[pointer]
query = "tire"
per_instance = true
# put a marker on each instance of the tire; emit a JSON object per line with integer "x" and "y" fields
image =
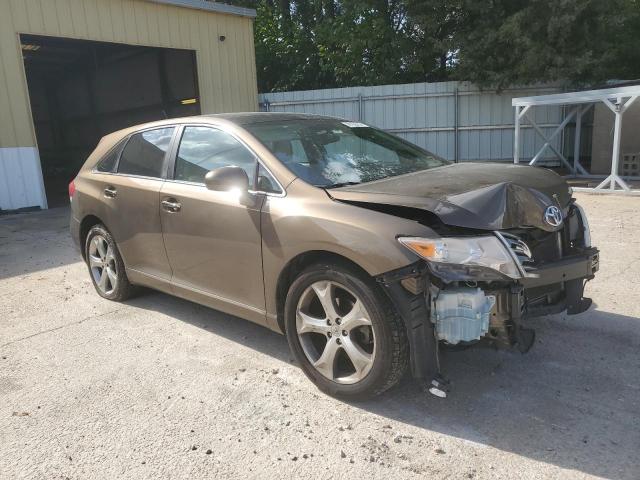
{"x": 105, "y": 264}
{"x": 380, "y": 347}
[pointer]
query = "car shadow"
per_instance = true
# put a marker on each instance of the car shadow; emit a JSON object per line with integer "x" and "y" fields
{"x": 572, "y": 401}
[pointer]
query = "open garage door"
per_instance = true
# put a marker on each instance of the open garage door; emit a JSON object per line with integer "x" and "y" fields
{"x": 81, "y": 90}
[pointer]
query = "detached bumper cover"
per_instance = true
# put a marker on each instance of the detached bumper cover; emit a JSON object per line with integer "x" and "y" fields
{"x": 414, "y": 310}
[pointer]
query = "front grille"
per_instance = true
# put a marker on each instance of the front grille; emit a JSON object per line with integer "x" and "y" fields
{"x": 519, "y": 248}
{"x": 535, "y": 247}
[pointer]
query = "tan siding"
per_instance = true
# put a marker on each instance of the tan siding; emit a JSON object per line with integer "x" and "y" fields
{"x": 64, "y": 16}
{"x": 142, "y": 25}
{"x": 253, "y": 92}
{"x": 163, "y": 25}
{"x": 152, "y": 22}
{"x": 205, "y": 62}
{"x": 36, "y": 18}
{"x": 234, "y": 58}
{"x": 215, "y": 73}
{"x": 19, "y": 14}
{"x": 129, "y": 22}
{"x": 183, "y": 16}
{"x": 79, "y": 21}
{"x": 105, "y": 21}
{"x": 172, "y": 22}
{"x": 50, "y": 14}
{"x": 17, "y": 103}
{"x": 226, "y": 70}
{"x": 242, "y": 35}
{"x": 118, "y": 15}
{"x": 92, "y": 18}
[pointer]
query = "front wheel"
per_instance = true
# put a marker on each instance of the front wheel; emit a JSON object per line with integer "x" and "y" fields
{"x": 342, "y": 330}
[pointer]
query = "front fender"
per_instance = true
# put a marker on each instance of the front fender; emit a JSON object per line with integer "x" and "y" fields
{"x": 308, "y": 220}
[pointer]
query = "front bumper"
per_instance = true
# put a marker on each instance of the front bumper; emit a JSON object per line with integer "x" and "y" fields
{"x": 547, "y": 289}
{"x": 559, "y": 286}
{"x": 569, "y": 268}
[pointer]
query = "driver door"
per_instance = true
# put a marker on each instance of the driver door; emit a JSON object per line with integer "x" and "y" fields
{"x": 213, "y": 239}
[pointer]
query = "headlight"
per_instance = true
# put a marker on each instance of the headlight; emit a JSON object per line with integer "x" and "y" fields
{"x": 481, "y": 251}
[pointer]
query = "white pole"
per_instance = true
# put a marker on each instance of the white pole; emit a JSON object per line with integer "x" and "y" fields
{"x": 615, "y": 158}
{"x": 576, "y": 142}
{"x": 516, "y": 137}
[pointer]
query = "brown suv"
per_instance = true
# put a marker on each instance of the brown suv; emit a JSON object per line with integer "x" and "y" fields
{"x": 367, "y": 251}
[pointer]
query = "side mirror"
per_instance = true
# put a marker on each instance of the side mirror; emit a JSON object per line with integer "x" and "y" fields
{"x": 227, "y": 178}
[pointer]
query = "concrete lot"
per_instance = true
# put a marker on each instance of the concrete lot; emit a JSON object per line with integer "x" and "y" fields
{"x": 162, "y": 388}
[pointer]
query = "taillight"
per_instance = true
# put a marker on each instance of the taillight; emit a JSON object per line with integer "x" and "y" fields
{"x": 72, "y": 190}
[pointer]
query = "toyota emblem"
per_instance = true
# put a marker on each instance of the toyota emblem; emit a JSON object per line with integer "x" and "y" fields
{"x": 553, "y": 216}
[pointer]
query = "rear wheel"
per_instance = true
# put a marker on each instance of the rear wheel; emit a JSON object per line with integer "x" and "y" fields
{"x": 347, "y": 338}
{"x": 106, "y": 266}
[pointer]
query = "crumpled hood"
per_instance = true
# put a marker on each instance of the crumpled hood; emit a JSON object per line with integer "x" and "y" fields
{"x": 473, "y": 195}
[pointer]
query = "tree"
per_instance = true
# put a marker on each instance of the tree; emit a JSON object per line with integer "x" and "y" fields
{"x": 578, "y": 42}
{"x": 307, "y": 44}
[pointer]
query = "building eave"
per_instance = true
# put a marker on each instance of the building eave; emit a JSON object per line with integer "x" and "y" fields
{"x": 210, "y": 7}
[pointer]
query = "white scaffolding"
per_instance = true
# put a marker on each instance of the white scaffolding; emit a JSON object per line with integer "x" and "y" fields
{"x": 617, "y": 99}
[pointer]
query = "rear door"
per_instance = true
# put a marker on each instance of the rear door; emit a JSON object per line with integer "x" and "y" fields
{"x": 212, "y": 238}
{"x": 133, "y": 204}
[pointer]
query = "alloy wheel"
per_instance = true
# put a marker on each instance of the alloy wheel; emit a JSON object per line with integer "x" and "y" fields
{"x": 102, "y": 263}
{"x": 335, "y": 332}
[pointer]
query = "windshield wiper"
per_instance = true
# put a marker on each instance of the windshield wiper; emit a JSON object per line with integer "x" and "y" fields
{"x": 342, "y": 184}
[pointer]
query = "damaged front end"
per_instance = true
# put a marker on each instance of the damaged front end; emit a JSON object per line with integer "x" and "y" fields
{"x": 445, "y": 298}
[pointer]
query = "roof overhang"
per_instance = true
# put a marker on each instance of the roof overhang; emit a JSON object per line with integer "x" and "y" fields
{"x": 210, "y": 7}
{"x": 574, "y": 98}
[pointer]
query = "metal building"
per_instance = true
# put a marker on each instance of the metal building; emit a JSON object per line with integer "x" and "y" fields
{"x": 74, "y": 70}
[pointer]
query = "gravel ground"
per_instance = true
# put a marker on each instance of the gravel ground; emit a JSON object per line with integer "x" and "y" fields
{"x": 159, "y": 387}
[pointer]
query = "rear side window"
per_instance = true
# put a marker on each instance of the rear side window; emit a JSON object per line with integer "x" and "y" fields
{"x": 109, "y": 161}
{"x": 145, "y": 152}
{"x": 204, "y": 148}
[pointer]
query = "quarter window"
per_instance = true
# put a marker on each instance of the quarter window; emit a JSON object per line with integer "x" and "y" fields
{"x": 109, "y": 161}
{"x": 145, "y": 153}
{"x": 266, "y": 183}
{"x": 203, "y": 149}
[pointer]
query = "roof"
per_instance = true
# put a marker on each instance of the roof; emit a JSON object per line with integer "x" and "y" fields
{"x": 574, "y": 98}
{"x": 240, "y": 119}
{"x": 210, "y": 6}
{"x": 246, "y": 118}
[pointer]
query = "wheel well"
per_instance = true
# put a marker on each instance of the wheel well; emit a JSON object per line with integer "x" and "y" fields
{"x": 298, "y": 264}
{"x": 87, "y": 223}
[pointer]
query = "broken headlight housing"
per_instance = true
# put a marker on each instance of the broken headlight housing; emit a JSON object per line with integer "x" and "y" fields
{"x": 485, "y": 251}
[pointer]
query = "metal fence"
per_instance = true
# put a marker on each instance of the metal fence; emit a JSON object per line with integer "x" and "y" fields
{"x": 455, "y": 120}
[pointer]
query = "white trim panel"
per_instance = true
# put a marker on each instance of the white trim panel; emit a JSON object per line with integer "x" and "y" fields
{"x": 21, "y": 182}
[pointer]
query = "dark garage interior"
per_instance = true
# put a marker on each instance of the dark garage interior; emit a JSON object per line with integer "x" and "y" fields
{"x": 81, "y": 90}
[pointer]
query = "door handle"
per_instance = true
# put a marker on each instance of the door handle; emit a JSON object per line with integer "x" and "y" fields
{"x": 110, "y": 192}
{"x": 171, "y": 205}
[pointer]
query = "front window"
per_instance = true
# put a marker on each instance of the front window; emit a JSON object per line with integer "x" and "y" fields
{"x": 330, "y": 153}
{"x": 203, "y": 149}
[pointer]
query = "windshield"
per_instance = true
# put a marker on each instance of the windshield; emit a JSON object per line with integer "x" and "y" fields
{"x": 331, "y": 153}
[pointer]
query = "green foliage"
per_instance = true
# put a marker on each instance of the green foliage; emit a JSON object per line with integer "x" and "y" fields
{"x": 496, "y": 43}
{"x": 503, "y": 42}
